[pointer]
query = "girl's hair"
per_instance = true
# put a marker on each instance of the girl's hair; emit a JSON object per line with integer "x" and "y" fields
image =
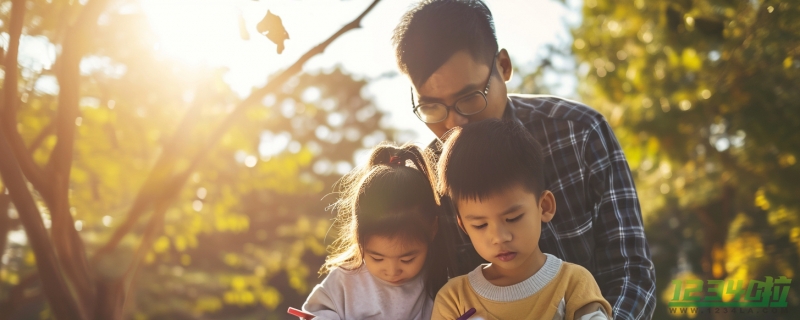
{"x": 389, "y": 198}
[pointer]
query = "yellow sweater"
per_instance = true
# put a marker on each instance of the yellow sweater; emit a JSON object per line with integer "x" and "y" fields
{"x": 555, "y": 292}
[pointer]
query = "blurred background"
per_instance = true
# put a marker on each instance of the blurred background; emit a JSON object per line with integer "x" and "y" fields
{"x": 177, "y": 166}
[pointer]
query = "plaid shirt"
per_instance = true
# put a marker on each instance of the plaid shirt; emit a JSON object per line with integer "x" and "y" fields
{"x": 598, "y": 222}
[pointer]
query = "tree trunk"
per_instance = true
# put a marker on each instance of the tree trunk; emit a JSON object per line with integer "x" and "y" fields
{"x": 54, "y": 285}
{"x": 64, "y": 254}
{"x": 716, "y": 219}
{"x": 5, "y": 220}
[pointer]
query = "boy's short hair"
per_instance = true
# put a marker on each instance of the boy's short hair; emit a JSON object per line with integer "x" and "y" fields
{"x": 490, "y": 156}
{"x": 431, "y": 32}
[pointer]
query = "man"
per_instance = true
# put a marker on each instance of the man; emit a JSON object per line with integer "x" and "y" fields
{"x": 449, "y": 50}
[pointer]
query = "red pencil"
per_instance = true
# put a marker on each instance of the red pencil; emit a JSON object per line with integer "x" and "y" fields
{"x": 299, "y": 313}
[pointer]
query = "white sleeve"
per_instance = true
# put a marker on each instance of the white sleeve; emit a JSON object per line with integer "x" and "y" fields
{"x": 322, "y": 304}
{"x": 597, "y": 315}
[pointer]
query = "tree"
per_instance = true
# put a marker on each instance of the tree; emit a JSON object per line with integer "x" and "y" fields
{"x": 111, "y": 146}
{"x": 318, "y": 122}
{"x": 700, "y": 95}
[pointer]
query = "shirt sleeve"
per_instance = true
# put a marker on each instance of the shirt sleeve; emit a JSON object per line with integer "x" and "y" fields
{"x": 582, "y": 291}
{"x": 321, "y": 304}
{"x": 445, "y": 306}
{"x": 623, "y": 267}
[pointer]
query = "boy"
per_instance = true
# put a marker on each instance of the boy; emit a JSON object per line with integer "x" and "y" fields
{"x": 492, "y": 171}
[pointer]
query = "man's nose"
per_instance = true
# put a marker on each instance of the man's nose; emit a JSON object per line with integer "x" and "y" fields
{"x": 454, "y": 120}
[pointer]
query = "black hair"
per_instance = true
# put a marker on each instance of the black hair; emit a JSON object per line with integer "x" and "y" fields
{"x": 490, "y": 156}
{"x": 431, "y": 32}
{"x": 387, "y": 197}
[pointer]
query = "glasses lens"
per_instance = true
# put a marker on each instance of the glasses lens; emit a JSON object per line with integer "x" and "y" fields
{"x": 431, "y": 113}
{"x": 471, "y": 104}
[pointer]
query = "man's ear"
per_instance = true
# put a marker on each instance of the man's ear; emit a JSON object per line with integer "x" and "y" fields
{"x": 547, "y": 205}
{"x": 504, "y": 65}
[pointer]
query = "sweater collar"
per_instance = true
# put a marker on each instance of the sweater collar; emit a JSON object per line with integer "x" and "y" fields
{"x": 518, "y": 291}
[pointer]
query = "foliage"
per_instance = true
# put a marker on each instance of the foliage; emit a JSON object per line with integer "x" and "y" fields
{"x": 265, "y": 256}
{"x": 245, "y": 233}
{"x": 702, "y": 95}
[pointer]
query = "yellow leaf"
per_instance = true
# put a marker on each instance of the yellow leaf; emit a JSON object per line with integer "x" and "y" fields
{"x": 672, "y": 57}
{"x": 248, "y": 297}
{"x": 270, "y": 298}
{"x": 180, "y": 243}
{"x": 232, "y": 260}
{"x": 786, "y": 160}
{"x": 272, "y": 27}
{"x": 230, "y": 297}
{"x": 30, "y": 258}
{"x": 161, "y": 245}
{"x": 238, "y": 283}
{"x": 186, "y": 259}
{"x": 690, "y": 59}
{"x": 761, "y": 200}
{"x": 795, "y": 235}
{"x": 13, "y": 279}
{"x": 208, "y": 304}
{"x": 653, "y": 146}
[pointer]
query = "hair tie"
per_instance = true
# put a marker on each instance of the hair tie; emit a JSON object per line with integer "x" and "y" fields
{"x": 395, "y": 161}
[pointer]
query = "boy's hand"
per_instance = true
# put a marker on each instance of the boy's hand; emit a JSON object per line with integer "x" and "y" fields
{"x": 589, "y": 308}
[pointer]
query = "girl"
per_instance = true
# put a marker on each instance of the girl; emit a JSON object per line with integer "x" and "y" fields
{"x": 390, "y": 258}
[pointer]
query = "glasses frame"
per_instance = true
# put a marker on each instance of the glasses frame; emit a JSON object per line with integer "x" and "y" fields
{"x": 483, "y": 93}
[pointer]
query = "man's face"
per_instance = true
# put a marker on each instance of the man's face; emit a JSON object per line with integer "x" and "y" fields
{"x": 393, "y": 260}
{"x": 460, "y": 76}
{"x": 505, "y": 227}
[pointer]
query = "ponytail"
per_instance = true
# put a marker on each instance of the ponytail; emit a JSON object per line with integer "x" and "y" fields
{"x": 392, "y": 195}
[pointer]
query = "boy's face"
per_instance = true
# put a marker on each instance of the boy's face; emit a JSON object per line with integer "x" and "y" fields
{"x": 505, "y": 227}
{"x": 459, "y": 76}
{"x": 393, "y": 260}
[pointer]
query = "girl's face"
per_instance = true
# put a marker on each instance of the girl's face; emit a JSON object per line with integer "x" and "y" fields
{"x": 393, "y": 260}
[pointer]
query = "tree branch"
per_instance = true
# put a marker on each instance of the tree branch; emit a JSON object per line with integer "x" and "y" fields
{"x": 152, "y": 230}
{"x": 111, "y": 303}
{"x": 5, "y": 220}
{"x": 15, "y": 161}
{"x": 11, "y": 102}
{"x": 37, "y": 142}
{"x": 157, "y": 178}
{"x": 54, "y": 285}
{"x": 68, "y": 243}
{"x": 138, "y": 208}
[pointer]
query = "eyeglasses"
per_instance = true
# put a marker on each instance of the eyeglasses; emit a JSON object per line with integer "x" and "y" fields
{"x": 468, "y": 105}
